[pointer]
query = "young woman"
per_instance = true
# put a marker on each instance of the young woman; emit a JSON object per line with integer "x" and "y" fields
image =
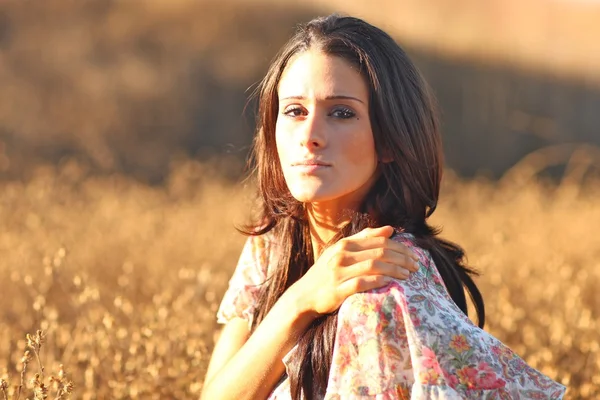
{"x": 343, "y": 291}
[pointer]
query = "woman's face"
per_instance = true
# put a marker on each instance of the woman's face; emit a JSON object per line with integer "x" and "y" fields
{"x": 323, "y": 132}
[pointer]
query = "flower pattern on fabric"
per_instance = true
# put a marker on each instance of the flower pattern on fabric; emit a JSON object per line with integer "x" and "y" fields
{"x": 241, "y": 297}
{"x": 407, "y": 340}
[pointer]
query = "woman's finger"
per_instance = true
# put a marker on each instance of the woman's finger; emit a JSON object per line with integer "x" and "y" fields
{"x": 362, "y": 284}
{"x": 390, "y": 256}
{"x": 374, "y": 267}
{"x": 374, "y": 243}
{"x": 383, "y": 231}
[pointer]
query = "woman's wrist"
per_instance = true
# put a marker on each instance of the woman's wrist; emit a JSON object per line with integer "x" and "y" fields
{"x": 298, "y": 304}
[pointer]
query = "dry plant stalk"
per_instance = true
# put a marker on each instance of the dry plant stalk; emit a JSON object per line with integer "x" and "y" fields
{"x": 63, "y": 386}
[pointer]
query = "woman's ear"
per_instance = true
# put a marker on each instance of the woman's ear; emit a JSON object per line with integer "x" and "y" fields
{"x": 386, "y": 158}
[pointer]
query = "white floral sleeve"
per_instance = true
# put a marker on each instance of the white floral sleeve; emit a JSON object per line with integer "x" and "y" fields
{"x": 409, "y": 340}
{"x": 240, "y": 299}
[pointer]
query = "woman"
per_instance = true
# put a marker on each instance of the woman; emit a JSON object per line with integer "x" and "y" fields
{"x": 343, "y": 291}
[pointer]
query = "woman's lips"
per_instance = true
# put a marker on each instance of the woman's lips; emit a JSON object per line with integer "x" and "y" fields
{"x": 310, "y": 166}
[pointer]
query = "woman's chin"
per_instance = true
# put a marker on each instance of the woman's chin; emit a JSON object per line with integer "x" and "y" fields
{"x": 305, "y": 196}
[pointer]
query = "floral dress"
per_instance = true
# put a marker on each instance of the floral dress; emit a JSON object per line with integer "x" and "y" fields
{"x": 407, "y": 340}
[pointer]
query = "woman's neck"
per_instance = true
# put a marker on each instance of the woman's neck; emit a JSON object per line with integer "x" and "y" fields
{"x": 324, "y": 224}
{"x": 326, "y": 218}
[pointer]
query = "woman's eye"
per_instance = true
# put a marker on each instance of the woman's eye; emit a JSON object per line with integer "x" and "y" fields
{"x": 293, "y": 112}
{"x": 343, "y": 113}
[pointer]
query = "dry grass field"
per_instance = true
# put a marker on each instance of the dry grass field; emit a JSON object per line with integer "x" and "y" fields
{"x": 125, "y": 279}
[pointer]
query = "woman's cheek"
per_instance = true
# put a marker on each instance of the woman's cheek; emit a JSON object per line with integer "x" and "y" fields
{"x": 359, "y": 148}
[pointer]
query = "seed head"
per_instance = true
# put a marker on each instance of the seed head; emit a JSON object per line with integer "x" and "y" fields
{"x": 68, "y": 388}
{"x": 26, "y": 357}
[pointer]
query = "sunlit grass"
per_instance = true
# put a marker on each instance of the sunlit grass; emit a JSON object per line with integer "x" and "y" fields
{"x": 125, "y": 279}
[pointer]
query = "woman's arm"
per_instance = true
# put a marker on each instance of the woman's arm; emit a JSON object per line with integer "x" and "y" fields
{"x": 358, "y": 263}
{"x": 233, "y": 336}
{"x": 252, "y": 371}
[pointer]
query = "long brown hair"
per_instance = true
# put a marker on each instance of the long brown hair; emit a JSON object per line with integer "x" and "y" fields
{"x": 404, "y": 121}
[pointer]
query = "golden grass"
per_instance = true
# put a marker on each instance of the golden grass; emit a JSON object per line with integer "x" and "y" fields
{"x": 125, "y": 279}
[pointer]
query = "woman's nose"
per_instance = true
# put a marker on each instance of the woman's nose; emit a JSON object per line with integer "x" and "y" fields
{"x": 313, "y": 133}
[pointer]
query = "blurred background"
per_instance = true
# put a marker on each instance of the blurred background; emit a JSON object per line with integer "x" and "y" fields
{"x": 124, "y": 130}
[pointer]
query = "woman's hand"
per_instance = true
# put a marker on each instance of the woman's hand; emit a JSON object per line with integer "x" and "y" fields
{"x": 364, "y": 261}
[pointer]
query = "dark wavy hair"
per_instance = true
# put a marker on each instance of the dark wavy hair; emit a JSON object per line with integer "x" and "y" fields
{"x": 404, "y": 121}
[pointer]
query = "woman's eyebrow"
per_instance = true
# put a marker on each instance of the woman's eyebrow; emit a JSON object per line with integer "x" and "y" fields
{"x": 335, "y": 97}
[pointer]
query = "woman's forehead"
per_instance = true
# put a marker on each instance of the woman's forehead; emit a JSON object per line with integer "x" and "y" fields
{"x": 314, "y": 74}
